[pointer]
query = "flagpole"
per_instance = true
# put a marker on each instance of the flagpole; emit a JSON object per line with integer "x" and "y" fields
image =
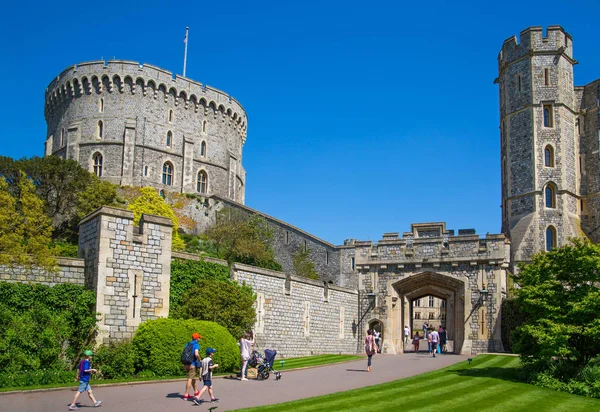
{"x": 187, "y": 29}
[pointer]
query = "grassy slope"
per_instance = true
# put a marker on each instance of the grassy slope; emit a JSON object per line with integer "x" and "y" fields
{"x": 489, "y": 384}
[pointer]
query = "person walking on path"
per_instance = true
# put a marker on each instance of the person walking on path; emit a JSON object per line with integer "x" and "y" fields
{"x": 246, "y": 343}
{"x": 192, "y": 368}
{"x": 435, "y": 339}
{"x": 425, "y": 328}
{"x": 406, "y": 334}
{"x": 83, "y": 376}
{"x": 377, "y": 336}
{"x": 443, "y": 339}
{"x": 370, "y": 348}
{"x": 429, "y": 342}
{"x": 207, "y": 367}
{"x": 416, "y": 342}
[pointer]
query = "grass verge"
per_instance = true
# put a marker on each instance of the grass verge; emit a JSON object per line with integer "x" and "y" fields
{"x": 289, "y": 364}
{"x": 488, "y": 384}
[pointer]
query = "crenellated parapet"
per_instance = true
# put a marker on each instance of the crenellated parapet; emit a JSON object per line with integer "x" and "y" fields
{"x": 120, "y": 76}
{"x": 532, "y": 41}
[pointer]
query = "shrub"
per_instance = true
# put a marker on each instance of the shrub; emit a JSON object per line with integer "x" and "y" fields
{"x": 64, "y": 249}
{"x": 35, "y": 378}
{"x": 186, "y": 273}
{"x": 117, "y": 360}
{"x": 224, "y": 302}
{"x": 43, "y": 327}
{"x": 158, "y": 345}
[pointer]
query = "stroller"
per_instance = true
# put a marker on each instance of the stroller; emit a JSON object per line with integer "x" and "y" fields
{"x": 264, "y": 365}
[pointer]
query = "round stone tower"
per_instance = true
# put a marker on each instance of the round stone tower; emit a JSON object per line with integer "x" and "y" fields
{"x": 539, "y": 147}
{"x": 138, "y": 125}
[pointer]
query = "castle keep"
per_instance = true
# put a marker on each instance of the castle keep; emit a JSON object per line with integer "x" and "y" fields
{"x": 139, "y": 125}
{"x": 549, "y": 144}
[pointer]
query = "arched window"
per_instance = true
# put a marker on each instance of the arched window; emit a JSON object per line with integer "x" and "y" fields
{"x": 162, "y": 193}
{"x": 169, "y": 138}
{"x": 101, "y": 105}
{"x": 62, "y": 137}
{"x": 203, "y": 149}
{"x": 100, "y": 130}
{"x": 549, "y": 156}
{"x": 550, "y": 195}
{"x": 202, "y": 182}
{"x": 97, "y": 159}
{"x": 550, "y": 238}
{"x": 204, "y": 126}
{"x": 171, "y": 115}
{"x": 167, "y": 176}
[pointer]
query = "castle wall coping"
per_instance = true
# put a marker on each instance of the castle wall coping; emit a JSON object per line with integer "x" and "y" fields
{"x": 190, "y": 256}
{"x": 158, "y": 220}
{"x": 268, "y": 217}
{"x": 424, "y": 240}
{"x": 281, "y": 275}
{"x": 71, "y": 262}
{"x": 437, "y": 259}
{"x": 108, "y": 211}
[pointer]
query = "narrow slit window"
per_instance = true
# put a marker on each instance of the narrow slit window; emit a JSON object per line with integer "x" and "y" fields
{"x": 548, "y": 119}
{"x": 550, "y": 238}
{"x": 546, "y": 77}
{"x": 101, "y": 106}
{"x": 204, "y": 126}
{"x": 100, "y": 130}
{"x": 549, "y": 156}
{"x": 169, "y": 138}
{"x": 171, "y": 116}
{"x": 519, "y": 83}
{"x": 203, "y": 149}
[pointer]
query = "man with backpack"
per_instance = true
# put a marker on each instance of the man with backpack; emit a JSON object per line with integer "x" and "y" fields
{"x": 190, "y": 358}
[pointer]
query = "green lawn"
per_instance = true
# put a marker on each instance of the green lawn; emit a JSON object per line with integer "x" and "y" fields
{"x": 488, "y": 384}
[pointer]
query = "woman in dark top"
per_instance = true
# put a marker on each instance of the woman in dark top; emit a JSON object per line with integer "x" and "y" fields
{"x": 443, "y": 338}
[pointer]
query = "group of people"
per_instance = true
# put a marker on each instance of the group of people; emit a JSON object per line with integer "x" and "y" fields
{"x": 433, "y": 337}
{"x": 203, "y": 366}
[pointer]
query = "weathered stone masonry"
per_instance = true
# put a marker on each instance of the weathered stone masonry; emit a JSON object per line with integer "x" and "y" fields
{"x": 68, "y": 271}
{"x": 129, "y": 269}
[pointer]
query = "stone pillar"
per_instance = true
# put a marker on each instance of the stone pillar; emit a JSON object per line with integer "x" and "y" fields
{"x": 128, "y": 153}
{"x": 128, "y": 268}
{"x": 73, "y": 138}
{"x": 188, "y": 175}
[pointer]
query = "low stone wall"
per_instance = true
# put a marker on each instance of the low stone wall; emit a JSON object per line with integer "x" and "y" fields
{"x": 69, "y": 271}
{"x": 298, "y": 316}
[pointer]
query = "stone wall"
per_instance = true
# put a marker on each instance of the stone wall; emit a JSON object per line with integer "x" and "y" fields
{"x": 68, "y": 271}
{"x": 128, "y": 267}
{"x": 301, "y": 317}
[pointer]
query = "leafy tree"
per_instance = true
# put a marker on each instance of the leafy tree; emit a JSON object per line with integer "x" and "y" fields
{"x": 303, "y": 266}
{"x": 67, "y": 190}
{"x": 11, "y": 226}
{"x": 559, "y": 296}
{"x": 25, "y": 230}
{"x": 224, "y": 302}
{"x": 243, "y": 238}
{"x": 150, "y": 202}
{"x": 37, "y": 227}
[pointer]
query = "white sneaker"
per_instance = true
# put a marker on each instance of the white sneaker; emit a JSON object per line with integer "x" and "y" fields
{"x": 244, "y": 379}
{"x": 97, "y": 403}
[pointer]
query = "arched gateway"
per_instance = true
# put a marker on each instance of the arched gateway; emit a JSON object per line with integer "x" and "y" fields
{"x": 466, "y": 272}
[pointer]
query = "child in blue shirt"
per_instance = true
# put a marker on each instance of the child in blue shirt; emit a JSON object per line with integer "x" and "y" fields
{"x": 83, "y": 375}
{"x": 207, "y": 367}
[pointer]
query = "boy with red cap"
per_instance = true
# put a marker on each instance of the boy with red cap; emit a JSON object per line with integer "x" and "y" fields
{"x": 192, "y": 368}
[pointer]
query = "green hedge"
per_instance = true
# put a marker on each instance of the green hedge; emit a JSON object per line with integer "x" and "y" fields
{"x": 43, "y": 327}
{"x": 186, "y": 273}
{"x": 158, "y": 345}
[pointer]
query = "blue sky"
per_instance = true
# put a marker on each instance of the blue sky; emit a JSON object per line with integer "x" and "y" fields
{"x": 363, "y": 117}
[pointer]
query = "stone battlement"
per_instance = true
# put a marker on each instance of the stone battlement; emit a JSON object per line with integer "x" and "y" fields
{"x": 532, "y": 40}
{"x": 132, "y": 77}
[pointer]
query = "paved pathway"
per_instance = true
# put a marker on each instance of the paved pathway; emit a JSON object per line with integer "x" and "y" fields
{"x": 233, "y": 394}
